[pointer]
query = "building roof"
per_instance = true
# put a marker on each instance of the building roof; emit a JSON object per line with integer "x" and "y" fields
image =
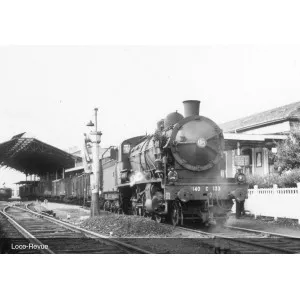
{"x": 31, "y": 156}
{"x": 276, "y": 115}
{"x": 79, "y": 168}
{"x": 28, "y": 182}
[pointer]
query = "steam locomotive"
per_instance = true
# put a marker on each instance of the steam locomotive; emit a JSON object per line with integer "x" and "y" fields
{"x": 177, "y": 173}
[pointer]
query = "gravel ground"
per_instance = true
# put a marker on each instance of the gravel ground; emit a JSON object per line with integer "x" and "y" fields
{"x": 74, "y": 214}
{"x": 282, "y": 226}
{"x": 140, "y": 231}
{"x": 173, "y": 245}
{"x": 126, "y": 226}
{"x": 78, "y": 215}
{"x": 147, "y": 234}
{"x": 159, "y": 238}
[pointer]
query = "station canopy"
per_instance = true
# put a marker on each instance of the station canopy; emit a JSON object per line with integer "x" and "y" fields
{"x": 232, "y": 140}
{"x": 31, "y": 156}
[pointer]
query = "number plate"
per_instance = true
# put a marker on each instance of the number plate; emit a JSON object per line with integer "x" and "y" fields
{"x": 215, "y": 188}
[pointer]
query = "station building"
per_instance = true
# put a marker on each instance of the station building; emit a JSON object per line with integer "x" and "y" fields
{"x": 254, "y": 137}
{"x": 37, "y": 160}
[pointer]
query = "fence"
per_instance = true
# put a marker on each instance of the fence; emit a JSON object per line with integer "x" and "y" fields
{"x": 274, "y": 202}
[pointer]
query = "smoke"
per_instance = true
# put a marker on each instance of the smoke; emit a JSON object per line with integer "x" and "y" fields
{"x": 137, "y": 176}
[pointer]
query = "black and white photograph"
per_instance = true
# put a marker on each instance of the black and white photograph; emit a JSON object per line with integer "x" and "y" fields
{"x": 132, "y": 149}
{"x": 163, "y": 128}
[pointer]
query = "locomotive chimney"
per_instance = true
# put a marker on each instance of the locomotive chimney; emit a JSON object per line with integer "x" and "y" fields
{"x": 191, "y": 108}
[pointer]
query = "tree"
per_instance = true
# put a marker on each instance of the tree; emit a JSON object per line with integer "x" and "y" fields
{"x": 288, "y": 153}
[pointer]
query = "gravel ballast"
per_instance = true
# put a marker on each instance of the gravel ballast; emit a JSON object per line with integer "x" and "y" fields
{"x": 126, "y": 226}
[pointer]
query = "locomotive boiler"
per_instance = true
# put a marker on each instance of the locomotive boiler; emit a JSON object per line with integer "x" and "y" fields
{"x": 177, "y": 173}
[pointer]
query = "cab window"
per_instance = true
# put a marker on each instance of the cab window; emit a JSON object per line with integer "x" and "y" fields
{"x": 126, "y": 148}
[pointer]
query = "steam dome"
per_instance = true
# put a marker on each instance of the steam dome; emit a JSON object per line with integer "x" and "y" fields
{"x": 172, "y": 119}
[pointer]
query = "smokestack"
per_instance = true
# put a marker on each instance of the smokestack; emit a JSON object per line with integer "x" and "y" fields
{"x": 191, "y": 108}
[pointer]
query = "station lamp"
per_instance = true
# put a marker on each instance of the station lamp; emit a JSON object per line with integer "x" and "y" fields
{"x": 90, "y": 124}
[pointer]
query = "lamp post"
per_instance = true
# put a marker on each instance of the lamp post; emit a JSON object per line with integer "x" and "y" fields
{"x": 96, "y": 167}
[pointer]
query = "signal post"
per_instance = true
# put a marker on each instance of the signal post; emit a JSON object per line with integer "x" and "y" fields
{"x": 95, "y": 186}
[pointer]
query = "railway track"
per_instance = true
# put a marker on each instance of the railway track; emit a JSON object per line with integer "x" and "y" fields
{"x": 26, "y": 226}
{"x": 39, "y": 233}
{"x": 247, "y": 241}
{"x": 12, "y": 239}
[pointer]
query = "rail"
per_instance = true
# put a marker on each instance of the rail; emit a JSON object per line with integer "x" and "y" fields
{"x": 26, "y": 234}
{"x": 90, "y": 233}
{"x": 254, "y": 243}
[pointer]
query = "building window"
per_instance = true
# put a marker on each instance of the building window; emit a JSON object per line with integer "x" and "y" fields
{"x": 258, "y": 159}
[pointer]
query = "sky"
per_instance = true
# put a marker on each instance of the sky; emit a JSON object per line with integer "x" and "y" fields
{"x": 51, "y": 91}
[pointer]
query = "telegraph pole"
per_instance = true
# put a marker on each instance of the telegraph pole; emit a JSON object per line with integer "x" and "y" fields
{"x": 96, "y": 168}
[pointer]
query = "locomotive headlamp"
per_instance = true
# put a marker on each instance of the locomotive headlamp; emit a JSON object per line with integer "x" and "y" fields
{"x": 241, "y": 178}
{"x": 201, "y": 143}
{"x": 172, "y": 175}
